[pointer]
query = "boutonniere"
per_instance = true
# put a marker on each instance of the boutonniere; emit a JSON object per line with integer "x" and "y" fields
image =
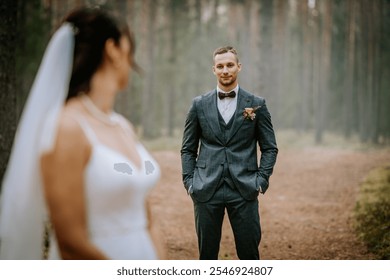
{"x": 249, "y": 113}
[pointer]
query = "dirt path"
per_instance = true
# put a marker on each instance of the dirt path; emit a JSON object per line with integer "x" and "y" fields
{"x": 305, "y": 214}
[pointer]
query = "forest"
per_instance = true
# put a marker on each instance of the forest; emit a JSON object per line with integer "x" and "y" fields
{"x": 322, "y": 65}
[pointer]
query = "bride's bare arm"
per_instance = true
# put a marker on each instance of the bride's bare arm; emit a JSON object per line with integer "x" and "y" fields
{"x": 155, "y": 234}
{"x": 62, "y": 171}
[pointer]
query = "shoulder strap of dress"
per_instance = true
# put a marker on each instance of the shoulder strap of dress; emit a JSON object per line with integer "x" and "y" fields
{"x": 88, "y": 131}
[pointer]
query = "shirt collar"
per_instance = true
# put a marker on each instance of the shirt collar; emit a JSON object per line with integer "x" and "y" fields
{"x": 235, "y": 90}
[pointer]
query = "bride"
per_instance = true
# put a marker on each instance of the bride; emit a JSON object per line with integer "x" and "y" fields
{"x": 75, "y": 162}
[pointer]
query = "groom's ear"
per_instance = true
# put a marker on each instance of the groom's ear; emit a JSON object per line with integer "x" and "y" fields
{"x": 214, "y": 70}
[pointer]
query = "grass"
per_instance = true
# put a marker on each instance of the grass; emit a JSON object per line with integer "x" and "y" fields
{"x": 372, "y": 212}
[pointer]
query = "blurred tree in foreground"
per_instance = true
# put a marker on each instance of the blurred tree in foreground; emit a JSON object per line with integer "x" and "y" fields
{"x": 8, "y": 115}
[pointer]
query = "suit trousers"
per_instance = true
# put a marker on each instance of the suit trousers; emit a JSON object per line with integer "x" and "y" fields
{"x": 243, "y": 216}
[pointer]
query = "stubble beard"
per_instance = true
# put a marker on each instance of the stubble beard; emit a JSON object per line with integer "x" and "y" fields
{"x": 228, "y": 82}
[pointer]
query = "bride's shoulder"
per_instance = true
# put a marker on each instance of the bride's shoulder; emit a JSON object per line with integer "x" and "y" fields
{"x": 68, "y": 122}
{"x": 69, "y": 131}
{"x": 70, "y": 145}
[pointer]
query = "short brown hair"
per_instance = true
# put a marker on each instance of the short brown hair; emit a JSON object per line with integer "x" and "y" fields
{"x": 226, "y": 49}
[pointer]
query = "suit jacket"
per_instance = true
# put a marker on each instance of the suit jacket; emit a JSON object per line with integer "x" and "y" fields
{"x": 202, "y": 167}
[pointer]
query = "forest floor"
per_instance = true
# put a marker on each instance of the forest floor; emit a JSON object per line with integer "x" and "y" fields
{"x": 307, "y": 213}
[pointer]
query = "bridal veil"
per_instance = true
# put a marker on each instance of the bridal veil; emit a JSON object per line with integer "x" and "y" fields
{"x": 22, "y": 205}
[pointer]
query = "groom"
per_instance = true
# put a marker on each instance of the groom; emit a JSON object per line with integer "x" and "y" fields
{"x": 228, "y": 123}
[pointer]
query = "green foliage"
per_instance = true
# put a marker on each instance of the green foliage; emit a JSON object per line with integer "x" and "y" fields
{"x": 373, "y": 213}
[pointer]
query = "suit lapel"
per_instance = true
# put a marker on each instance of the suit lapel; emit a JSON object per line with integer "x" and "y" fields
{"x": 210, "y": 110}
{"x": 244, "y": 101}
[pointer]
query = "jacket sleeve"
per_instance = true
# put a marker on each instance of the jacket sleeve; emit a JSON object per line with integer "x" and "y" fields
{"x": 267, "y": 142}
{"x": 190, "y": 144}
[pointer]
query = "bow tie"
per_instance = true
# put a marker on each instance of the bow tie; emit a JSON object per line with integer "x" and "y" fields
{"x": 223, "y": 95}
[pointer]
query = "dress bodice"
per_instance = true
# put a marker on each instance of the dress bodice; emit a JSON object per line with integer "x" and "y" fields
{"x": 116, "y": 190}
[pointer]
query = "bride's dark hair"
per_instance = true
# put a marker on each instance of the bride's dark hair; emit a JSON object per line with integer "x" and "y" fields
{"x": 93, "y": 27}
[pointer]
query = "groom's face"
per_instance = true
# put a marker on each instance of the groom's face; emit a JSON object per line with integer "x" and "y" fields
{"x": 226, "y": 68}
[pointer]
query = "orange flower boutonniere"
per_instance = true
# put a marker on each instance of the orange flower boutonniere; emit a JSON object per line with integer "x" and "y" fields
{"x": 249, "y": 113}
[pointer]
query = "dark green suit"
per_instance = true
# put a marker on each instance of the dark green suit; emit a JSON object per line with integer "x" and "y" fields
{"x": 226, "y": 167}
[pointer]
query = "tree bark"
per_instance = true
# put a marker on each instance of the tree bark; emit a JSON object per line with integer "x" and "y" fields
{"x": 8, "y": 114}
{"x": 324, "y": 68}
{"x": 349, "y": 70}
{"x": 302, "y": 124}
{"x": 148, "y": 113}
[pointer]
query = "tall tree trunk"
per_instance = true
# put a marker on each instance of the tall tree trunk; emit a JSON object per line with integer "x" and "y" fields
{"x": 376, "y": 61}
{"x": 8, "y": 114}
{"x": 315, "y": 64}
{"x": 324, "y": 68}
{"x": 134, "y": 93}
{"x": 122, "y": 99}
{"x": 279, "y": 57}
{"x": 364, "y": 104}
{"x": 198, "y": 45}
{"x": 350, "y": 68}
{"x": 33, "y": 32}
{"x": 384, "y": 72}
{"x": 368, "y": 5}
{"x": 304, "y": 80}
{"x": 265, "y": 69}
{"x": 148, "y": 114}
{"x": 173, "y": 9}
{"x": 246, "y": 46}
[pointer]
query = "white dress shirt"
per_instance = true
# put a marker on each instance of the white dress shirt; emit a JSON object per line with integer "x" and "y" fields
{"x": 228, "y": 105}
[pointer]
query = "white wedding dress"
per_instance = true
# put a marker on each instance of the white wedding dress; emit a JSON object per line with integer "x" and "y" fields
{"x": 115, "y": 188}
{"x": 115, "y": 200}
